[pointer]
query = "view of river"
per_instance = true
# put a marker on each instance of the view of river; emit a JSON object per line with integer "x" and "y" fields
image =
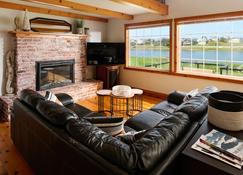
{"x": 186, "y": 54}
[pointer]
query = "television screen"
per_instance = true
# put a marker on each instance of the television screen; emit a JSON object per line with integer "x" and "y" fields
{"x": 105, "y": 53}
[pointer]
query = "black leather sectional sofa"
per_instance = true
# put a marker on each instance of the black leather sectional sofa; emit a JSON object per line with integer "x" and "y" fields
{"x": 57, "y": 139}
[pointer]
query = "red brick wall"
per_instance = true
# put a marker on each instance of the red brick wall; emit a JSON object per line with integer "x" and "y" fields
{"x": 30, "y": 49}
{"x": 49, "y": 47}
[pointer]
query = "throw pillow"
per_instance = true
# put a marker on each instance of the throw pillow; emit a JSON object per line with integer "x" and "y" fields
{"x": 191, "y": 94}
{"x": 52, "y": 97}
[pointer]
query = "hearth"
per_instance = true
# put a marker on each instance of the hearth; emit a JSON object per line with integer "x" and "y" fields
{"x": 51, "y": 74}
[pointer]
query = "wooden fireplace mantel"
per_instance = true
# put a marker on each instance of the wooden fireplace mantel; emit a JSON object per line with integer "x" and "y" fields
{"x": 39, "y": 34}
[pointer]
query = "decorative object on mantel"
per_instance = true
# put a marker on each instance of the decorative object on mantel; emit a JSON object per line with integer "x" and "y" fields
{"x": 50, "y": 25}
{"x": 226, "y": 110}
{"x": 17, "y": 22}
{"x": 10, "y": 73}
{"x": 86, "y": 31}
{"x": 26, "y": 22}
{"x": 79, "y": 26}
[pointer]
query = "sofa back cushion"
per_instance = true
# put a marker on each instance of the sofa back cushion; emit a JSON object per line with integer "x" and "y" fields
{"x": 196, "y": 107}
{"x": 156, "y": 142}
{"x": 31, "y": 97}
{"x": 55, "y": 113}
{"x": 144, "y": 120}
{"x": 102, "y": 143}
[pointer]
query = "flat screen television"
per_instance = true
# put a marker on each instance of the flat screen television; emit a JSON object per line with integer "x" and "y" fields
{"x": 105, "y": 53}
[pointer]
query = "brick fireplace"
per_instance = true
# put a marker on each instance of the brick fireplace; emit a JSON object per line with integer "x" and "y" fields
{"x": 32, "y": 48}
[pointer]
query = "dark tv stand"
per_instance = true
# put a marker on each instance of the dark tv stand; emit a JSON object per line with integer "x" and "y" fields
{"x": 109, "y": 74}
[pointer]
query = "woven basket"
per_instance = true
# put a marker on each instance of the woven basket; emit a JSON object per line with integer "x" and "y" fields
{"x": 225, "y": 110}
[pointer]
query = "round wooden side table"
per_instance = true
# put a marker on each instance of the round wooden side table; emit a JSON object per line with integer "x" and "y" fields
{"x": 137, "y": 100}
{"x": 122, "y": 105}
{"x": 101, "y": 99}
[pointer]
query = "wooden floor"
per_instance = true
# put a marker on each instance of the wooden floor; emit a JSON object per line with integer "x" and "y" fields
{"x": 12, "y": 163}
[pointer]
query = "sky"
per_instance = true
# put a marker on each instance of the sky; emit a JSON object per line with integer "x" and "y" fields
{"x": 222, "y": 28}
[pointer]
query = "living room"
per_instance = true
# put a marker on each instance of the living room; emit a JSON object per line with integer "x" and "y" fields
{"x": 173, "y": 73}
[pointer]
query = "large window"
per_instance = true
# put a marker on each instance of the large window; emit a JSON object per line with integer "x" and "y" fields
{"x": 148, "y": 46}
{"x": 211, "y": 47}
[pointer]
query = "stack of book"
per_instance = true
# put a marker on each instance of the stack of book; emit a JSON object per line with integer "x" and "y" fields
{"x": 221, "y": 146}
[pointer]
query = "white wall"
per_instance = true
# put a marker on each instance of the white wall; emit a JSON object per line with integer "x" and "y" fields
{"x": 166, "y": 83}
{"x": 6, "y": 41}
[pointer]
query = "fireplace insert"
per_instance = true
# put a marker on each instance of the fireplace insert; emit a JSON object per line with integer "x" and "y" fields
{"x": 51, "y": 74}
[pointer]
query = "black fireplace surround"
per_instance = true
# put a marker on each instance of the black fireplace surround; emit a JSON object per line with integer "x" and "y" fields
{"x": 51, "y": 74}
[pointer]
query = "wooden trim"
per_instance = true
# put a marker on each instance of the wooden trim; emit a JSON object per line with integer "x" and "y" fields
{"x": 85, "y": 8}
{"x": 210, "y": 17}
{"x": 39, "y": 34}
{"x": 148, "y": 70}
{"x": 188, "y": 75}
{"x": 153, "y": 5}
{"x": 175, "y": 47}
{"x": 160, "y": 95}
{"x": 15, "y": 6}
{"x": 147, "y": 23}
{"x": 171, "y": 45}
{"x": 143, "y": 25}
{"x": 210, "y": 77}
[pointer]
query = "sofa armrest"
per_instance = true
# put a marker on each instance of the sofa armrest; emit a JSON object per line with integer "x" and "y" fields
{"x": 65, "y": 98}
{"x": 176, "y": 97}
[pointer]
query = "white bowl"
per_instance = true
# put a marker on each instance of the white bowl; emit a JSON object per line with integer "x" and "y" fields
{"x": 122, "y": 90}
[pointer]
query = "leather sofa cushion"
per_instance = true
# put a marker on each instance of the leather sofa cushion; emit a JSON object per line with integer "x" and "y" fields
{"x": 131, "y": 137}
{"x": 31, "y": 97}
{"x": 196, "y": 107}
{"x": 164, "y": 106}
{"x": 144, "y": 120}
{"x": 81, "y": 111}
{"x": 156, "y": 142}
{"x": 176, "y": 97}
{"x": 102, "y": 143}
{"x": 55, "y": 113}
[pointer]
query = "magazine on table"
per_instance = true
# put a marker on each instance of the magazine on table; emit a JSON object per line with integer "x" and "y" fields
{"x": 201, "y": 147}
{"x": 224, "y": 143}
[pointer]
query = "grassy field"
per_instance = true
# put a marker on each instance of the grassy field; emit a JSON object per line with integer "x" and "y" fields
{"x": 155, "y": 63}
{"x": 194, "y": 48}
{"x": 150, "y": 62}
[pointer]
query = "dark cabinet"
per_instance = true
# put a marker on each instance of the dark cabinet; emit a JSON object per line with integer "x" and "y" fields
{"x": 109, "y": 75}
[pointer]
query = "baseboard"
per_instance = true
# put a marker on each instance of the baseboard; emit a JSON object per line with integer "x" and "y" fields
{"x": 160, "y": 95}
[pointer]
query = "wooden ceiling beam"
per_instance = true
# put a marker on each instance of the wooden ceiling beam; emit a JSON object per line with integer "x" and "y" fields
{"x": 85, "y": 8}
{"x": 22, "y": 7}
{"x": 153, "y": 5}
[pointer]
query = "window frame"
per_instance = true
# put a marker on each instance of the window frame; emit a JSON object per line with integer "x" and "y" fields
{"x": 167, "y": 22}
{"x": 201, "y": 19}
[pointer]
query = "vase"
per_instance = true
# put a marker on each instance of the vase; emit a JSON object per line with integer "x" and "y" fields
{"x": 26, "y": 21}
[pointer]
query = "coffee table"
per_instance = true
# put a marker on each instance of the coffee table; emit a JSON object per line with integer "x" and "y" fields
{"x": 196, "y": 163}
{"x": 122, "y": 105}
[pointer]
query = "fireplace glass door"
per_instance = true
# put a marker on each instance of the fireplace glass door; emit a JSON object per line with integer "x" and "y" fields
{"x": 51, "y": 74}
